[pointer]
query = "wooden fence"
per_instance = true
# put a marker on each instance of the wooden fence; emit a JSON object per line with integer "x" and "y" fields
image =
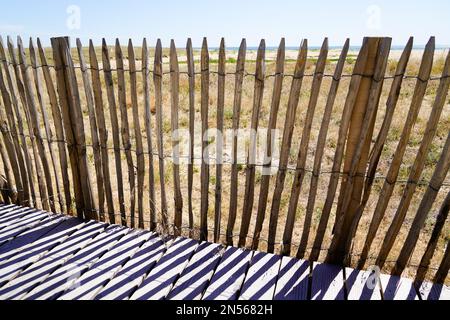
{"x": 83, "y": 130}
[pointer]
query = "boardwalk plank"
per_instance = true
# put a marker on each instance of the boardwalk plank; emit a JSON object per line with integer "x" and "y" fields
{"x": 90, "y": 283}
{"x": 194, "y": 279}
{"x": 292, "y": 283}
{"x": 29, "y": 221}
{"x": 161, "y": 278}
{"x": 64, "y": 277}
{"x": 361, "y": 286}
{"x": 229, "y": 276}
{"x": 15, "y": 214}
{"x": 25, "y": 252}
{"x": 40, "y": 270}
{"x": 433, "y": 291}
{"x": 259, "y": 284}
{"x": 25, "y": 241}
{"x": 134, "y": 271}
{"x": 327, "y": 282}
{"x": 396, "y": 288}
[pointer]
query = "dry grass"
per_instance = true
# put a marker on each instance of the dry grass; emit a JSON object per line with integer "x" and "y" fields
{"x": 247, "y": 100}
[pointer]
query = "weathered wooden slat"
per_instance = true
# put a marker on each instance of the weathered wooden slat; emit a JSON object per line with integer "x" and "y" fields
{"x": 140, "y": 161}
{"x": 109, "y": 83}
{"x": 87, "y": 83}
{"x": 321, "y": 140}
{"x": 432, "y": 243}
{"x": 190, "y": 173}
{"x": 391, "y": 177}
{"x": 125, "y": 128}
{"x": 90, "y": 283}
{"x": 375, "y": 153}
{"x": 72, "y": 113}
{"x": 102, "y": 130}
{"x": 327, "y": 282}
{"x": 134, "y": 270}
{"x": 195, "y": 277}
{"x": 440, "y": 172}
{"x": 148, "y": 131}
{"x": 48, "y": 130}
{"x": 221, "y": 73}
{"x": 266, "y": 170}
{"x": 157, "y": 80}
{"x": 251, "y": 155}
{"x": 292, "y": 282}
{"x": 21, "y": 89}
{"x": 204, "y": 168}
{"x": 10, "y": 159}
{"x": 416, "y": 171}
{"x": 289, "y": 123}
{"x": 161, "y": 278}
{"x": 355, "y": 150}
{"x": 69, "y": 135}
{"x": 229, "y": 275}
{"x": 366, "y": 107}
{"x": 261, "y": 278}
{"x": 356, "y": 78}
{"x": 35, "y": 127}
{"x": 26, "y": 174}
{"x": 362, "y": 285}
{"x": 301, "y": 157}
{"x": 174, "y": 98}
{"x": 58, "y": 123}
{"x": 11, "y": 134}
{"x": 239, "y": 78}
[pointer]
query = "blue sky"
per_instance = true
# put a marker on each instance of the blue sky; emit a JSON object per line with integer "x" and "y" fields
{"x": 232, "y": 19}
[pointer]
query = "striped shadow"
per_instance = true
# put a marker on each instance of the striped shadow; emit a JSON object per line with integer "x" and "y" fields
{"x": 195, "y": 278}
{"x": 63, "y": 278}
{"x": 160, "y": 280}
{"x": 25, "y": 223}
{"x": 292, "y": 283}
{"x": 50, "y": 261}
{"x": 327, "y": 282}
{"x": 229, "y": 276}
{"x": 134, "y": 271}
{"x": 362, "y": 285}
{"x": 18, "y": 259}
{"x": 259, "y": 284}
{"x": 90, "y": 283}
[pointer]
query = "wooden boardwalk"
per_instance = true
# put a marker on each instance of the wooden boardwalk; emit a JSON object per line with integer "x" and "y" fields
{"x": 48, "y": 256}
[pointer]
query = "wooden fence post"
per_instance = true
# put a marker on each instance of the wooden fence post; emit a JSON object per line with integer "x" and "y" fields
{"x": 71, "y": 110}
{"x": 358, "y": 145}
{"x": 59, "y": 130}
{"x": 239, "y": 78}
{"x": 174, "y": 106}
{"x": 204, "y": 168}
{"x": 394, "y": 169}
{"x": 221, "y": 72}
{"x": 301, "y": 159}
{"x": 251, "y": 157}
{"x": 148, "y": 131}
